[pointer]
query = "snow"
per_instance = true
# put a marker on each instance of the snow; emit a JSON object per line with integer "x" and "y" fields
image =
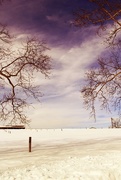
{"x": 68, "y": 154}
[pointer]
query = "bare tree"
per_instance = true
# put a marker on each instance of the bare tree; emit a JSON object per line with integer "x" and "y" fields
{"x": 104, "y": 84}
{"x": 17, "y": 72}
{"x": 104, "y": 80}
{"x": 101, "y": 14}
{"x": 115, "y": 123}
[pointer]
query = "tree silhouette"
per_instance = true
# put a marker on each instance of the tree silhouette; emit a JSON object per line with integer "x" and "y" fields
{"x": 18, "y": 68}
{"x": 104, "y": 80}
{"x": 101, "y": 14}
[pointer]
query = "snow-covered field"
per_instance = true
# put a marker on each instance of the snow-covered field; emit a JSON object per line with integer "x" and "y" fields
{"x": 73, "y": 154}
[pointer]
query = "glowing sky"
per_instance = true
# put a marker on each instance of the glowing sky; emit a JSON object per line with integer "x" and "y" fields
{"x": 72, "y": 51}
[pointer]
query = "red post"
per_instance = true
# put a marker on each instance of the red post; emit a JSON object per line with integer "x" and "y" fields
{"x": 30, "y": 143}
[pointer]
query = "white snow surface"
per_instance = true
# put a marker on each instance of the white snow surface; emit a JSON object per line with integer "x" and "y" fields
{"x": 68, "y": 154}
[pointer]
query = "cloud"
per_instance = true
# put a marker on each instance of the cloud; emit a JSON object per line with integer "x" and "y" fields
{"x": 53, "y": 18}
{"x": 73, "y": 61}
{"x": 65, "y": 113}
{"x": 62, "y": 103}
{"x": 58, "y": 114}
{"x": 73, "y": 51}
{"x": 50, "y": 19}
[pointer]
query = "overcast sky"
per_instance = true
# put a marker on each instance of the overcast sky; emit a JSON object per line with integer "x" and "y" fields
{"x": 72, "y": 50}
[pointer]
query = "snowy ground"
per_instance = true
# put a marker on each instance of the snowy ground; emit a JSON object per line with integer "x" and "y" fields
{"x": 71, "y": 154}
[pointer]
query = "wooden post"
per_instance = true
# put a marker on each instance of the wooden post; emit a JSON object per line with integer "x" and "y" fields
{"x": 30, "y": 142}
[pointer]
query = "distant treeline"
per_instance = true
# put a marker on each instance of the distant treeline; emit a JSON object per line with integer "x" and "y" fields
{"x": 13, "y": 127}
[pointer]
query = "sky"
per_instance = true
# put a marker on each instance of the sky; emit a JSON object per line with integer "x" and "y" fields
{"x": 72, "y": 51}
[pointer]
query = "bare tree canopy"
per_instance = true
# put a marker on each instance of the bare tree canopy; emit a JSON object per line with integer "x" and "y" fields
{"x": 17, "y": 68}
{"x": 101, "y": 14}
{"x": 103, "y": 82}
